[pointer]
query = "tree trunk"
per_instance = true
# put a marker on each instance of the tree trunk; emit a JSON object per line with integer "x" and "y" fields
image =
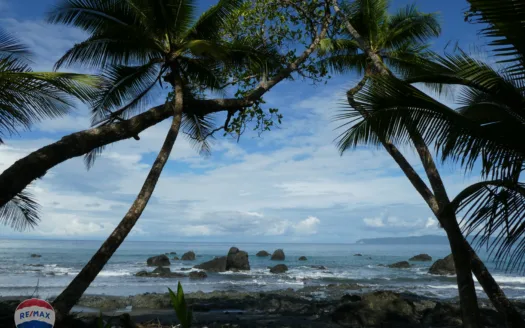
{"x": 513, "y": 318}
{"x": 70, "y": 296}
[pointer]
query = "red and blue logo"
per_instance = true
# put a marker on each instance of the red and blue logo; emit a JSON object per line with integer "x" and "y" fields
{"x": 34, "y": 313}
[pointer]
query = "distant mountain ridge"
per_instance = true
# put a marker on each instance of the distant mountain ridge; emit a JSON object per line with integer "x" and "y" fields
{"x": 413, "y": 240}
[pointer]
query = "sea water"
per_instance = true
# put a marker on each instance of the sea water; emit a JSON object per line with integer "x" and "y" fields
{"x": 21, "y": 274}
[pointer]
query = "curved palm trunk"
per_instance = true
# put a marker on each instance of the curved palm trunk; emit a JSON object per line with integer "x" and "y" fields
{"x": 70, "y": 296}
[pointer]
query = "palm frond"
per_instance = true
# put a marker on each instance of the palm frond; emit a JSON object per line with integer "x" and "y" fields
{"x": 341, "y": 64}
{"x": 21, "y": 212}
{"x": 506, "y": 28}
{"x": 198, "y": 129}
{"x": 126, "y": 88}
{"x": 210, "y": 23}
{"x": 493, "y": 213}
{"x": 406, "y": 59}
{"x": 91, "y": 157}
{"x": 369, "y": 18}
{"x": 11, "y": 47}
{"x": 411, "y": 26}
{"x": 337, "y": 47}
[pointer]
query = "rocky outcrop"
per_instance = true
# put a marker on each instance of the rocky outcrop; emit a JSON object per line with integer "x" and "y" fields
{"x": 161, "y": 260}
{"x": 188, "y": 256}
{"x": 171, "y": 253}
{"x": 262, "y": 254}
{"x": 278, "y": 255}
{"x": 421, "y": 258}
{"x": 303, "y": 258}
{"x": 358, "y": 254}
{"x": 279, "y": 268}
{"x": 443, "y": 266}
{"x": 160, "y": 272}
{"x": 36, "y": 255}
{"x": 215, "y": 265}
{"x": 237, "y": 260}
{"x": 318, "y": 267}
{"x": 198, "y": 275}
{"x": 176, "y": 258}
{"x": 400, "y": 265}
{"x": 379, "y": 309}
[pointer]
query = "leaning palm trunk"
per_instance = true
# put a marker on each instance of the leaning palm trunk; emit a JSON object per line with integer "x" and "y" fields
{"x": 70, "y": 296}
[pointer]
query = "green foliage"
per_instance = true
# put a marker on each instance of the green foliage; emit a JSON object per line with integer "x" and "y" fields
{"x": 21, "y": 212}
{"x": 101, "y": 323}
{"x": 400, "y": 39}
{"x": 182, "y": 310}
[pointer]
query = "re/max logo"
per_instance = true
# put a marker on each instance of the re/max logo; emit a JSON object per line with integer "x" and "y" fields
{"x": 39, "y": 314}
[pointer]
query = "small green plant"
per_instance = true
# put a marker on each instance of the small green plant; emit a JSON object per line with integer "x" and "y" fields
{"x": 183, "y": 312}
{"x": 100, "y": 322}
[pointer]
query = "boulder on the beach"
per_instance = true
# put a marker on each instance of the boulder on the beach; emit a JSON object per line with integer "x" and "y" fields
{"x": 378, "y": 309}
{"x": 198, "y": 275}
{"x": 188, "y": 256}
{"x": 443, "y": 266}
{"x": 278, "y": 255}
{"x": 215, "y": 265}
{"x": 262, "y": 254}
{"x": 161, "y": 260}
{"x": 160, "y": 272}
{"x": 176, "y": 258}
{"x": 318, "y": 267}
{"x": 303, "y": 258}
{"x": 36, "y": 255}
{"x": 421, "y": 258}
{"x": 279, "y": 268}
{"x": 358, "y": 254}
{"x": 400, "y": 265}
{"x": 237, "y": 260}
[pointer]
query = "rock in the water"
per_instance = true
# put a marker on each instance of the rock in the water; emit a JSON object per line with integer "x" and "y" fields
{"x": 185, "y": 269}
{"x": 198, "y": 275}
{"x": 303, "y": 258}
{"x": 176, "y": 258}
{"x": 278, "y": 255}
{"x": 215, "y": 265}
{"x": 400, "y": 265}
{"x": 36, "y": 255}
{"x": 279, "y": 268}
{"x": 421, "y": 258}
{"x": 237, "y": 260}
{"x": 358, "y": 254}
{"x": 161, "y": 260}
{"x": 262, "y": 254}
{"x": 318, "y": 267}
{"x": 443, "y": 266}
{"x": 379, "y": 309}
{"x": 351, "y": 298}
{"x": 160, "y": 272}
{"x": 188, "y": 256}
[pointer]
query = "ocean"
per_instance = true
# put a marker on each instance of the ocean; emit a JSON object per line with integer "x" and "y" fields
{"x": 21, "y": 274}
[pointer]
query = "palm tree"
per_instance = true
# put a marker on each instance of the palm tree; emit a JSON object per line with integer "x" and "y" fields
{"x": 27, "y": 97}
{"x": 396, "y": 112}
{"x": 138, "y": 44}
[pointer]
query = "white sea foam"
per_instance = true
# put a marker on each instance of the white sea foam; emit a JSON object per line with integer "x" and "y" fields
{"x": 118, "y": 273}
{"x": 509, "y": 279}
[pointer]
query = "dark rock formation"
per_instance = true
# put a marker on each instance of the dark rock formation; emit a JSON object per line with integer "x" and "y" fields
{"x": 262, "y": 254}
{"x": 421, "y": 258}
{"x": 400, "y": 265}
{"x": 36, "y": 255}
{"x": 161, "y": 260}
{"x": 279, "y": 268}
{"x": 443, "y": 266}
{"x": 176, "y": 258}
{"x": 188, "y": 256}
{"x": 215, "y": 265}
{"x": 318, "y": 267}
{"x": 278, "y": 255}
{"x": 303, "y": 258}
{"x": 358, "y": 254}
{"x": 198, "y": 275}
{"x": 237, "y": 260}
{"x": 160, "y": 272}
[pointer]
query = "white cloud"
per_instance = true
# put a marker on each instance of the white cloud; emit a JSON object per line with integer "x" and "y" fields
{"x": 307, "y": 226}
{"x": 374, "y": 222}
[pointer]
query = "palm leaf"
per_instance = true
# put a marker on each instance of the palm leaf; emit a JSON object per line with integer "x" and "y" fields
{"x": 210, "y": 23}
{"x": 11, "y": 47}
{"x": 198, "y": 129}
{"x": 21, "y": 212}
{"x": 493, "y": 214}
{"x": 410, "y": 26}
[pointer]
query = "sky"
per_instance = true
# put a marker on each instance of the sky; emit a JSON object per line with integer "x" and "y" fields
{"x": 288, "y": 185}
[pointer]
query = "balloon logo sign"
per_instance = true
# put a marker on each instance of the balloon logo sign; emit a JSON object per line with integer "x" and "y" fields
{"x": 34, "y": 313}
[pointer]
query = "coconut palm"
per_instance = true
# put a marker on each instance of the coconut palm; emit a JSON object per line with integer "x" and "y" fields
{"x": 138, "y": 45}
{"x": 27, "y": 97}
{"x": 395, "y": 112}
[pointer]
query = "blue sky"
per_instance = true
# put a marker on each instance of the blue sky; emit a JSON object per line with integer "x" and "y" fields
{"x": 289, "y": 185}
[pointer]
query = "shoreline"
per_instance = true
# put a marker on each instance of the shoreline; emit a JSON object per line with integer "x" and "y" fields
{"x": 343, "y": 305}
